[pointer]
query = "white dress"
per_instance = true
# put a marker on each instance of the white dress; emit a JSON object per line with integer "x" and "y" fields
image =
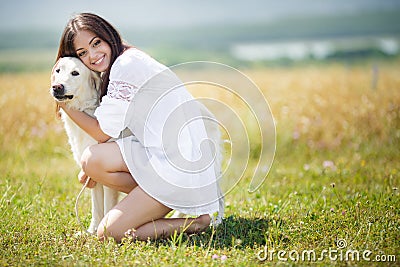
{"x": 168, "y": 149}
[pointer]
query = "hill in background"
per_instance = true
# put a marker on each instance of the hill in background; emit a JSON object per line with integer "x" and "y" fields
{"x": 233, "y": 33}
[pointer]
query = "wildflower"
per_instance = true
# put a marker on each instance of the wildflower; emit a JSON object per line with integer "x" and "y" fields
{"x": 296, "y": 135}
{"x": 329, "y": 164}
{"x": 343, "y": 212}
{"x": 332, "y": 209}
{"x": 215, "y": 256}
{"x": 306, "y": 167}
{"x": 265, "y": 168}
{"x": 223, "y": 257}
{"x": 129, "y": 232}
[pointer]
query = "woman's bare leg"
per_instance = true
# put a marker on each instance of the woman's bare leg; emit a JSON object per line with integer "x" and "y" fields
{"x": 105, "y": 165}
{"x": 145, "y": 216}
{"x": 166, "y": 227}
{"x": 138, "y": 211}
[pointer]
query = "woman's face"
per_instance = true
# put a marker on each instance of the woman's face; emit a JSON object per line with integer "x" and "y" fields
{"x": 94, "y": 52}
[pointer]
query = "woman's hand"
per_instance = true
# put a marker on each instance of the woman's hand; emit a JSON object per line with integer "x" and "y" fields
{"x": 61, "y": 104}
{"x": 86, "y": 122}
{"x": 82, "y": 177}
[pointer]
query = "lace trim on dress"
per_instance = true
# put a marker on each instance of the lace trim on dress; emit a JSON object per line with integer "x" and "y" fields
{"x": 121, "y": 90}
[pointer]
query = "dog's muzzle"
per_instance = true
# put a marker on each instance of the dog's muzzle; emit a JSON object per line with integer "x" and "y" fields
{"x": 58, "y": 92}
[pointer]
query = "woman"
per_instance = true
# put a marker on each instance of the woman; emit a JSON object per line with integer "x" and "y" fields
{"x": 135, "y": 164}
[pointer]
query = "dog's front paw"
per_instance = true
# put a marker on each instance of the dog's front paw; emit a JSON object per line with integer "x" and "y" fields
{"x": 92, "y": 229}
{"x": 80, "y": 234}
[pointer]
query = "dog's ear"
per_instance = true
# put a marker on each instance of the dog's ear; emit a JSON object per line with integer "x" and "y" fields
{"x": 52, "y": 71}
{"x": 57, "y": 107}
{"x": 95, "y": 80}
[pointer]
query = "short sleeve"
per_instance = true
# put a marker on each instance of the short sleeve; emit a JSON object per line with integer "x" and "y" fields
{"x": 128, "y": 73}
{"x": 134, "y": 68}
{"x": 111, "y": 115}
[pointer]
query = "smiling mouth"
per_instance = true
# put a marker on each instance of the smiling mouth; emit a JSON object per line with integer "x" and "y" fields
{"x": 98, "y": 61}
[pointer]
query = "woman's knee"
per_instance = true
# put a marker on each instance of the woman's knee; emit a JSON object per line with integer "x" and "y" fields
{"x": 101, "y": 233}
{"x": 91, "y": 160}
{"x": 103, "y": 157}
{"x": 106, "y": 231}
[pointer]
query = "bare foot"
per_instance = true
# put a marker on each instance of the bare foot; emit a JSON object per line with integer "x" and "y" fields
{"x": 199, "y": 224}
{"x": 166, "y": 227}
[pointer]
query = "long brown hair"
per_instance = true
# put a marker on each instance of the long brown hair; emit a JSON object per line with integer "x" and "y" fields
{"x": 102, "y": 29}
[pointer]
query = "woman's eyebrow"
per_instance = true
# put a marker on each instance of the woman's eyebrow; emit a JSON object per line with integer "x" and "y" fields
{"x": 90, "y": 42}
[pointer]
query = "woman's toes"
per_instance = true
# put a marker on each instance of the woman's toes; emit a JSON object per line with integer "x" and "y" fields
{"x": 202, "y": 222}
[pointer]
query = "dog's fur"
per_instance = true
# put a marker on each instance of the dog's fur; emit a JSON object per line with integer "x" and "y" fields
{"x": 74, "y": 83}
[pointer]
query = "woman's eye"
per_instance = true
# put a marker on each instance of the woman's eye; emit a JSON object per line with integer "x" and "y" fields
{"x": 81, "y": 54}
{"x": 97, "y": 42}
{"x": 75, "y": 73}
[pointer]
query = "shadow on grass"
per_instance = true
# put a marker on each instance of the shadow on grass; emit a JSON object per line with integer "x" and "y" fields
{"x": 240, "y": 232}
{"x": 233, "y": 232}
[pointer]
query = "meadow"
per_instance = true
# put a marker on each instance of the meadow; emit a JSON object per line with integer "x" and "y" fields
{"x": 331, "y": 197}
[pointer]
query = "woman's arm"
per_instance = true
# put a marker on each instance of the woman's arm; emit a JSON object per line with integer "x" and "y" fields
{"x": 89, "y": 124}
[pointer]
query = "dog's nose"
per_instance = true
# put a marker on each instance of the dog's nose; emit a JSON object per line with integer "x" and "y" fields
{"x": 58, "y": 89}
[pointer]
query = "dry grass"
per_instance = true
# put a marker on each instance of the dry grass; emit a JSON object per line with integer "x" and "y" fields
{"x": 325, "y": 108}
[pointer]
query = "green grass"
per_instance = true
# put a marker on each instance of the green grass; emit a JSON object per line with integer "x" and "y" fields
{"x": 303, "y": 205}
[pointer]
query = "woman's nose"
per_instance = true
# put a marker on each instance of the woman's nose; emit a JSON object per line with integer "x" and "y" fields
{"x": 91, "y": 53}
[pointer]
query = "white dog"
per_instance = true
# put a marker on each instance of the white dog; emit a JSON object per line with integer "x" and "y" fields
{"x": 74, "y": 83}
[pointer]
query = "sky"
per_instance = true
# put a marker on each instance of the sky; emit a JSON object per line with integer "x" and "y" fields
{"x": 53, "y": 14}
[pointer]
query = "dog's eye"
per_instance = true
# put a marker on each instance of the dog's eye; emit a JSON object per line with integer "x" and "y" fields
{"x": 58, "y": 70}
{"x": 75, "y": 73}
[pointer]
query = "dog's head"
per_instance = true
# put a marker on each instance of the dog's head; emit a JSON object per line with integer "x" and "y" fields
{"x": 72, "y": 81}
